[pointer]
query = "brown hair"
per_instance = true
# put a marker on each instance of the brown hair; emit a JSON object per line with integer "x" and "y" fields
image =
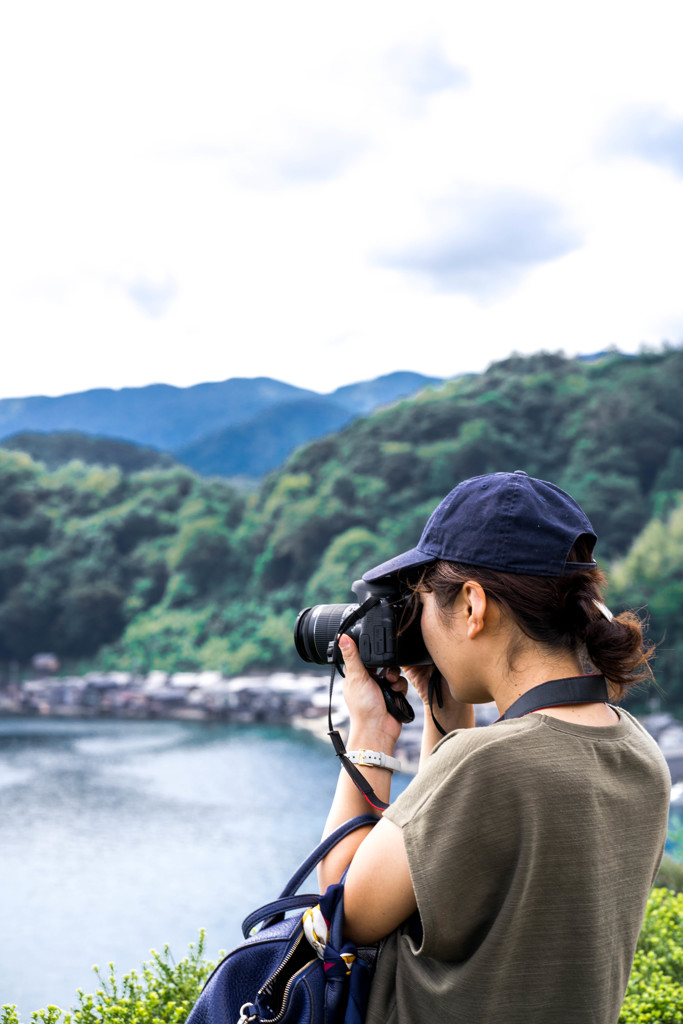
{"x": 558, "y": 612}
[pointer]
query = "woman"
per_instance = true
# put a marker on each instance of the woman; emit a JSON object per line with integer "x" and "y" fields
{"x": 509, "y": 880}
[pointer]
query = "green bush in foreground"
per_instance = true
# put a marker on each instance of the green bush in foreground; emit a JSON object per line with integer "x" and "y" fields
{"x": 165, "y": 992}
{"x": 655, "y": 989}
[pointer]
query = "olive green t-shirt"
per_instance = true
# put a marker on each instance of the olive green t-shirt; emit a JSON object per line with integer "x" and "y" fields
{"x": 532, "y": 846}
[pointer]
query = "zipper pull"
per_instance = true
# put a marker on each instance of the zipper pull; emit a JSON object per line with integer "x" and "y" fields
{"x": 248, "y": 1013}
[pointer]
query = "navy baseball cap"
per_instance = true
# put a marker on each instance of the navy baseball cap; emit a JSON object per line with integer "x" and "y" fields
{"x": 511, "y": 522}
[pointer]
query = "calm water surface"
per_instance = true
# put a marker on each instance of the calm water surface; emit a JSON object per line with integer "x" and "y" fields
{"x": 118, "y": 837}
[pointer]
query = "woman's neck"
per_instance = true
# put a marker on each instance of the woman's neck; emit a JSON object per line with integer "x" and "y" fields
{"x": 525, "y": 679}
{"x": 530, "y": 672}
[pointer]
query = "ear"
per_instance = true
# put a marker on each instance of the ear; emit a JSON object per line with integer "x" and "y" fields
{"x": 476, "y": 603}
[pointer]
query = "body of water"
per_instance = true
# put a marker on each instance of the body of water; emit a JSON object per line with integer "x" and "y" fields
{"x": 118, "y": 837}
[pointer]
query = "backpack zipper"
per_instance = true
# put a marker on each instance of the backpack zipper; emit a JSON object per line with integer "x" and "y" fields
{"x": 268, "y": 987}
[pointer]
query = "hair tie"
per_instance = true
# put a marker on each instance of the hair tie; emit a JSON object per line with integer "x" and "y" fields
{"x": 603, "y": 609}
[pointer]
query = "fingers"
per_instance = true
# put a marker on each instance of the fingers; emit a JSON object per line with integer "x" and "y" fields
{"x": 393, "y": 675}
{"x": 419, "y": 675}
{"x": 364, "y": 699}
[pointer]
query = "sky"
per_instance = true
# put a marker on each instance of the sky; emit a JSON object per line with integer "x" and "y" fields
{"x": 325, "y": 192}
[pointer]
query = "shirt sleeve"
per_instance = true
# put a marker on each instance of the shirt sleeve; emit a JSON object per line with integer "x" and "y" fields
{"x": 458, "y": 821}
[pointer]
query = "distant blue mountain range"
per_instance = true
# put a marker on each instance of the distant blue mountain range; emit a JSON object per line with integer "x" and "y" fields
{"x": 242, "y": 427}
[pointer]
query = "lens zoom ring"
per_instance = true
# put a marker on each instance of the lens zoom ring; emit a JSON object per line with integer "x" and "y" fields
{"x": 328, "y": 619}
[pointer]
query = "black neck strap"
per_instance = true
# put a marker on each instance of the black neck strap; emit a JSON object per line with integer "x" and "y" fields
{"x": 574, "y": 690}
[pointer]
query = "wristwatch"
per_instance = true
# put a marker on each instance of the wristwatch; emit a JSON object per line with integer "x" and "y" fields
{"x": 375, "y": 759}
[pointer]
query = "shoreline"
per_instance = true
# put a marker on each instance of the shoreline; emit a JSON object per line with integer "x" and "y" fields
{"x": 295, "y": 700}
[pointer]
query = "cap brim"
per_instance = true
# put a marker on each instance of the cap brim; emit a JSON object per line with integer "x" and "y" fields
{"x": 412, "y": 559}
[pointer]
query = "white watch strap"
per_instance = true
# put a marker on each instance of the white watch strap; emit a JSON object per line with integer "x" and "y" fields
{"x": 374, "y": 758}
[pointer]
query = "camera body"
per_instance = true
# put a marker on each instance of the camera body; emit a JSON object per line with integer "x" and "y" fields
{"x": 388, "y": 633}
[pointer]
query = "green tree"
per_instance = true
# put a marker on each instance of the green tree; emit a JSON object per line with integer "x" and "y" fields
{"x": 651, "y": 577}
{"x": 345, "y": 560}
{"x": 91, "y": 615}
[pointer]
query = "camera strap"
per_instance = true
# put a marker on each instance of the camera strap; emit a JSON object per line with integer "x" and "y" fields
{"x": 358, "y": 779}
{"x": 434, "y": 690}
{"x": 590, "y": 689}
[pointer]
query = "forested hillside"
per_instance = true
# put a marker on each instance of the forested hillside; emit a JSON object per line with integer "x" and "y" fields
{"x": 164, "y": 569}
{"x": 61, "y": 446}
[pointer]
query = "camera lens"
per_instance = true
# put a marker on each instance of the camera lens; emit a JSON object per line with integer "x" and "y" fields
{"x": 317, "y": 627}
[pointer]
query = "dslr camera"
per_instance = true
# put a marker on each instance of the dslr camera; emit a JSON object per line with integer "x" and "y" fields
{"x": 388, "y": 632}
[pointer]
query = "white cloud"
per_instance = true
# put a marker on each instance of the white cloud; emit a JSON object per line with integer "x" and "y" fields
{"x": 482, "y": 242}
{"x": 422, "y": 69}
{"x": 650, "y": 134}
{"x": 199, "y": 192}
{"x": 152, "y": 296}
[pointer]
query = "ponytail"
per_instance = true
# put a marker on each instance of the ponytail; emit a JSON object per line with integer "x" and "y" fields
{"x": 616, "y": 648}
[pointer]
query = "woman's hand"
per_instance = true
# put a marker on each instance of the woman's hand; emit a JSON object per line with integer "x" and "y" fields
{"x": 418, "y": 676}
{"x": 365, "y": 702}
{"x": 453, "y": 714}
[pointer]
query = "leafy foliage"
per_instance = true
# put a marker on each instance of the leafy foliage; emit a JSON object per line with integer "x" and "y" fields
{"x": 655, "y": 988}
{"x": 163, "y": 993}
{"x": 85, "y": 551}
{"x": 64, "y": 446}
{"x": 161, "y": 568}
{"x": 651, "y": 576}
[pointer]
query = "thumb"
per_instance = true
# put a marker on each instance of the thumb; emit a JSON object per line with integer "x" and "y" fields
{"x": 349, "y": 650}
